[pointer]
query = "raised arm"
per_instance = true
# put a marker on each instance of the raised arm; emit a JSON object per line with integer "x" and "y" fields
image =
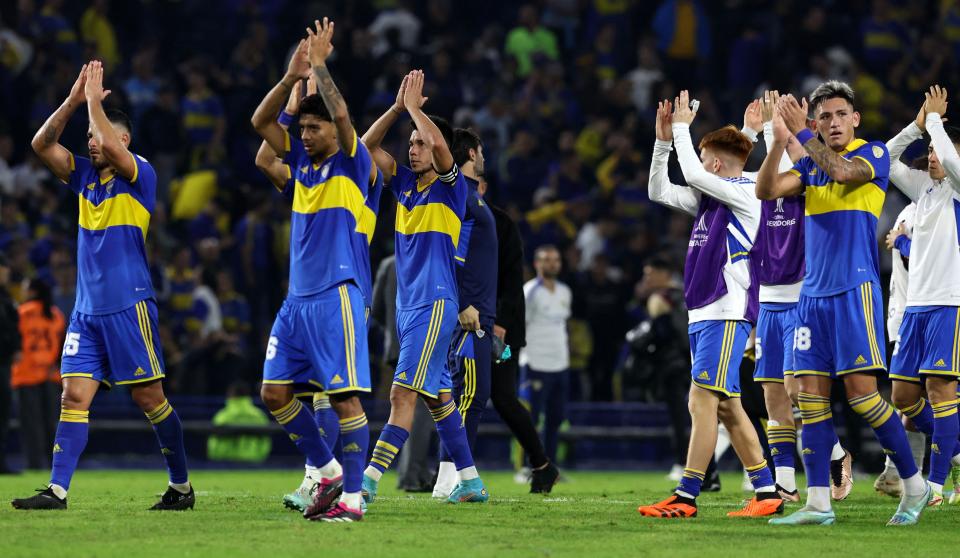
{"x": 46, "y": 142}
{"x": 319, "y": 48}
{"x": 771, "y": 183}
{"x": 660, "y": 189}
{"x": 113, "y": 149}
{"x": 693, "y": 172}
{"x": 264, "y": 118}
{"x": 943, "y": 146}
{"x": 768, "y": 108}
{"x": 907, "y": 180}
{"x": 413, "y": 99}
{"x": 852, "y": 172}
{"x": 373, "y": 137}
{"x": 268, "y": 161}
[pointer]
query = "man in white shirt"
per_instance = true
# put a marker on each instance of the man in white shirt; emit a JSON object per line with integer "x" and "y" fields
{"x": 928, "y": 354}
{"x": 547, "y": 354}
{"x": 721, "y": 293}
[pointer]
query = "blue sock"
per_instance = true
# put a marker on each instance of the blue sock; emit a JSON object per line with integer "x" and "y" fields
{"x": 388, "y": 446}
{"x": 690, "y": 482}
{"x": 68, "y": 445}
{"x": 169, "y": 431}
{"x": 452, "y": 434}
{"x": 760, "y": 476}
{"x": 355, "y": 438}
{"x": 944, "y": 440}
{"x": 303, "y": 432}
{"x": 817, "y": 438}
{"x": 328, "y": 423}
{"x": 889, "y": 430}
{"x": 783, "y": 443}
{"x": 922, "y": 416}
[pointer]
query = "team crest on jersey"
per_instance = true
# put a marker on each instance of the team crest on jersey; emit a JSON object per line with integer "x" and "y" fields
{"x": 877, "y": 151}
{"x": 324, "y": 171}
{"x": 779, "y": 208}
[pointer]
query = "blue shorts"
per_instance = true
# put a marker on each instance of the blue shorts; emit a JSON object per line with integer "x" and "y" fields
{"x": 320, "y": 342}
{"x": 471, "y": 357}
{"x": 840, "y": 334}
{"x": 774, "y": 346}
{"x": 119, "y": 348}
{"x": 929, "y": 345}
{"x": 425, "y": 334}
{"x": 716, "y": 349}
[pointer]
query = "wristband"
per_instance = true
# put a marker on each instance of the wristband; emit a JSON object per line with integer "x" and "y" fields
{"x": 804, "y": 135}
{"x": 285, "y": 118}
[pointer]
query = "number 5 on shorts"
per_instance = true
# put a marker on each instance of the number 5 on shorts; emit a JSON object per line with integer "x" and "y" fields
{"x": 801, "y": 339}
{"x": 71, "y": 345}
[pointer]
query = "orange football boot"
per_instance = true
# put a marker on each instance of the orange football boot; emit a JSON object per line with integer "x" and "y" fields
{"x": 671, "y": 508}
{"x": 759, "y": 508}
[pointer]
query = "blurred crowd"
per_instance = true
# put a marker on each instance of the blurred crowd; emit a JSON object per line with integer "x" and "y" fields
{"x": 562, "y": 92}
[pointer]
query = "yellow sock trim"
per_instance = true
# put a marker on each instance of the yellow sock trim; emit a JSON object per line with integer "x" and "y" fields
{"x": 352, "y": 424}
{"x": 288, "y": 412}
{"x": 814, "y": 408}
{"x": 69, "y": 415}
{"x": 872, "y": 408}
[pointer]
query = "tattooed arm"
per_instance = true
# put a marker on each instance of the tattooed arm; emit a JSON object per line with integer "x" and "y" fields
{"x": 853, "y": 172}
{"x": 320, "y": 46}
{"x": 46, "y": 142}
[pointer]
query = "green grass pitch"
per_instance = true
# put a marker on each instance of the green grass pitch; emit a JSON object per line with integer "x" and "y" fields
{"x": 239, "y": 514}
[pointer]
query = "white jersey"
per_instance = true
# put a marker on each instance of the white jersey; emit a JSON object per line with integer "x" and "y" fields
{"x": 898, "y": 278}
{"x": 737, "y": 194}
{"x": 548, "y": 348}
{"x": 934, "y": 274}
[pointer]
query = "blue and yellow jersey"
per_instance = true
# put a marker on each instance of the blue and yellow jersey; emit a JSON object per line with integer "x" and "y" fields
{"x": 112, "y": 270}
{"x": 429, "y": 217}
{"x": 236, "y": 314}
{"x": 180, "y": 285}
{"x": 329, "y": 198}
{"x": 200, "y": 118}
{"x": 840, "y": 222}
{"x": 361, "y": 241}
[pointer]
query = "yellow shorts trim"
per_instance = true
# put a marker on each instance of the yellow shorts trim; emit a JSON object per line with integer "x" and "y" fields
{"x": 141, "y": 381}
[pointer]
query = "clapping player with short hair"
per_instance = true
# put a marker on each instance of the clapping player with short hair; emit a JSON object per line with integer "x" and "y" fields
{"x": 318, "y": 339}
{"x": 928, "y": 354}
{"x": 113, "y": 336}
{"x": 779, "y": 267}
{"x": 720, "y": 290}
{"x": 431, "y": 196}
{"x": 839, "y": 328}
{"x": 273, "y": 167}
